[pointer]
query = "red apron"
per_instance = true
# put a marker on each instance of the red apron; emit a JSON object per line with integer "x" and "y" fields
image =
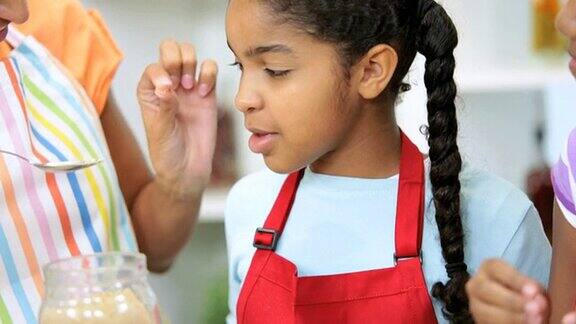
{"x": 273, "y": 293}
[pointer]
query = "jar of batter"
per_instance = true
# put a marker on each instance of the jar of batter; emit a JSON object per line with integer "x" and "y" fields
{"x": 106, "y": 288}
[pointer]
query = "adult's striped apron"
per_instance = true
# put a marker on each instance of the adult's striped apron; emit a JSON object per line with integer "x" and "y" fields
{"x": 46, "y": 116}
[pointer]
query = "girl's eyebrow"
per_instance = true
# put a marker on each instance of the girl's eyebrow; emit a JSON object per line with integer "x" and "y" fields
{"x": 260, "y": 50}
{"x": 275, "y": 48}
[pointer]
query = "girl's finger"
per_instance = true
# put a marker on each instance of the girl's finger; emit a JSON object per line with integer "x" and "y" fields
{"x": 171, "y": 60}
{"x": 155, "y": 78}
{"x": 570, "y": 318}
{"x": 189, "y": 62}
{"x": 495, "y": 294}
{"x": 537, "y": 310}
{"x": 486, "y": 313}
{"x": 508, "y": 276}
{"x": 208, "y": 75}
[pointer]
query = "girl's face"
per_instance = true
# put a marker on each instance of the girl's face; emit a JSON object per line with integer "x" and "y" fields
{"x": 292, "y": 90}
{"x": 15, "y": 11}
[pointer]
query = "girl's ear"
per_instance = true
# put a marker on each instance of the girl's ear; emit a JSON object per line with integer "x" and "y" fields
{"x": 375, "y": 70}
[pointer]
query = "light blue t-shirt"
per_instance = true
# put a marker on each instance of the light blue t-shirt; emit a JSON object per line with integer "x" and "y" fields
{"x": 341, "y": 225}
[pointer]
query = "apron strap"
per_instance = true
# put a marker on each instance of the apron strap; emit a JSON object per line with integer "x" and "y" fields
{"x": 266, "y": 237}
{"x": 14, "y": 37}
{"x": 410, "y": 204}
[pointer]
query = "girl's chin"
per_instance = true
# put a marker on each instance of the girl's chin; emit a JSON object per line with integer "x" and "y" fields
{"x": 281, "y": 166}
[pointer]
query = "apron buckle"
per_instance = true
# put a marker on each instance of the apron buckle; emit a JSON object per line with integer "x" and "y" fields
{"x": 258, "y": 242}
{"x": 400, "y": 258}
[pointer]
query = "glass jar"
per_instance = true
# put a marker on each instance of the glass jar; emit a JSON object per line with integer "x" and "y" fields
{"x": 102, "y": 288}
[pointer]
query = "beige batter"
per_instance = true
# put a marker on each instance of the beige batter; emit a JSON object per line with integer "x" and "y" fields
{"x": 113, "y": 307}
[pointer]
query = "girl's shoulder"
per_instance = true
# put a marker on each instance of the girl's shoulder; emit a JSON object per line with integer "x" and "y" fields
{"x": 495, "y": 213}
{"x": 500, "y": 221}
{"x": 483, "y": 188}
{"x": 485, "y": 196}
{"x": 484, "y": 192}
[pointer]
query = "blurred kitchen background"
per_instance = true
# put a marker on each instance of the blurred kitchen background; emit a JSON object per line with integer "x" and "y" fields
{"x": 517, "y": 104}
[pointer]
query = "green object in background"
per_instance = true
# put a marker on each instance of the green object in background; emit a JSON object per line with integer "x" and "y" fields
{"x": 215, "y": 307}
{"x": 187, "y": 293}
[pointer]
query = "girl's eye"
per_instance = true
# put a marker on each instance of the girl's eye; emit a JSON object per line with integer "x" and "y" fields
{"x": 238, "y": 64}
{"x": 276, "y": 73}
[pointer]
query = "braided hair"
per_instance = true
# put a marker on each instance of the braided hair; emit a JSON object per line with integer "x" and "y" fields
{"x": 409, "y": 26}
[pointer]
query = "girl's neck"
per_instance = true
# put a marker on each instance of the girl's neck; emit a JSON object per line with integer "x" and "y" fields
{"x": 371, "y": 149}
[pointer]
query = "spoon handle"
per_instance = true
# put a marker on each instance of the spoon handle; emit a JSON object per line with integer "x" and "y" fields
{"x": 16, "y": 155}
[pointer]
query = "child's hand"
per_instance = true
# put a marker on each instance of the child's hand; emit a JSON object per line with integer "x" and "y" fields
{"x": 566, "y": 23}
{"x": 500, "y": 294}
{"x": 570, "y": 318}
{"x": 179, "y": 114}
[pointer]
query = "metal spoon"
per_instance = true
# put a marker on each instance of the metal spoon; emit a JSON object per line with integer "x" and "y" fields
{"x": 62, "y": 166}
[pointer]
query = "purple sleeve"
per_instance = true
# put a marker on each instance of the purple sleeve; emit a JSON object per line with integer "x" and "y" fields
{"x": 564, "y": 176}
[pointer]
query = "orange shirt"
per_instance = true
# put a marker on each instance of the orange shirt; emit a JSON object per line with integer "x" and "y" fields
{"x": 79, "y": 39}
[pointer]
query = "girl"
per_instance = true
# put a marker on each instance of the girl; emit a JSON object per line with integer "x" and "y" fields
{"x": 562, "y": 283}
{"x": 501, "y": 294}
{"x": 364, "y": 228}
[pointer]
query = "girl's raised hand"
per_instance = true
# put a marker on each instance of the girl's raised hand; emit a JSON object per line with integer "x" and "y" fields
{"x": 179, "y": 112}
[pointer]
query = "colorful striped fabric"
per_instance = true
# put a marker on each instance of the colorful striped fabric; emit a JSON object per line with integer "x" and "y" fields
{"x": 564, "y": 180}
{"x": 45, "y": 115}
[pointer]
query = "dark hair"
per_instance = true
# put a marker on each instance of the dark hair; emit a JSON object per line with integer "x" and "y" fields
{"x": 355, "y": 26}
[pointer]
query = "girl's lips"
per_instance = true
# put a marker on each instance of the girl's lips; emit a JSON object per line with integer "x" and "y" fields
{"x": 573, "y": 64}
{"x": 262, "y": 143}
